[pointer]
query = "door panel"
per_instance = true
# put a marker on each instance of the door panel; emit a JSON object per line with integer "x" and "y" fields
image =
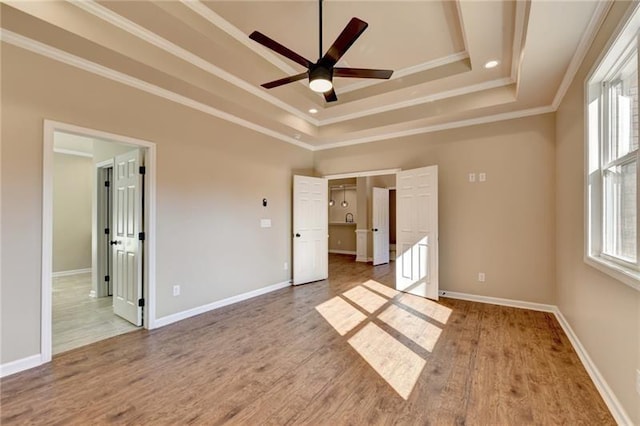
{"x": 310, "y": 229}
{"x": 380, "y": 214}
{"x": 417, "y": 231}
{"x": 126, "y": 246}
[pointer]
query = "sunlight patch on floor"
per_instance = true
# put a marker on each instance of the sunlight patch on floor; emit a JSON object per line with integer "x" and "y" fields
{"x": 397, "y": 363}
{"x": 393, "y": 361}
{"x": 381, "y": 288}
{"x": 426, "y": 307}
{"x": 420, "y": 331}
{"x": 366, "y": 299}
{"x": 341, "y": 315}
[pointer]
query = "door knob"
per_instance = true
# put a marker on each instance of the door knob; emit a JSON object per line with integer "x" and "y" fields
{"x": 114, "y": 242}
{"x": 297, "y": 235}
{"x": 375, "y": 229}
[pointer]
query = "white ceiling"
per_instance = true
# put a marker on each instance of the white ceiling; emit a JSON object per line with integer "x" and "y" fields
{"x": 198, "y": 53}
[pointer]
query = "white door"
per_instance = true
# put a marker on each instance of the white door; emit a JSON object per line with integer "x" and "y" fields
{"x": 126, "y": 244}
{"x": 380, "y": 213}
{"x": 417, "y": 231}
{"x": 310, "y": 229}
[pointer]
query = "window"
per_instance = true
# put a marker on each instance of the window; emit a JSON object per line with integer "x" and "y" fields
{"x": 612, "y": 163}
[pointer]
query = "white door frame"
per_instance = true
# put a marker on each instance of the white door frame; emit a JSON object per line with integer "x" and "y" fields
{"x": 99, "y": 250}
{"x": 149, "y": 266}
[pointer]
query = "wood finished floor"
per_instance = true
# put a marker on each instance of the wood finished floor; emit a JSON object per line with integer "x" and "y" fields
{"x": 324, "y": 353}
{"x": 79, "y": 319}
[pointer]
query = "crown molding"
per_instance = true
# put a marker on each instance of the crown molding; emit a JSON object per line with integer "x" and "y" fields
{"x": 438, "y": 127}
{"x": 414, "y": 69}
{"x": 492, "y": 84}
{"x": 599, "y": 14}
{"x": 523, "y": 8}
{"x": 142, "y": 33}
{"x": 83, "y": 64}
{"x": 213, "y": 18}
{"x": 72, "y": 152}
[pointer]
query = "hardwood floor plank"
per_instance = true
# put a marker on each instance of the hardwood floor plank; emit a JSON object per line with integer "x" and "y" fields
{"x": 276, "y": 359}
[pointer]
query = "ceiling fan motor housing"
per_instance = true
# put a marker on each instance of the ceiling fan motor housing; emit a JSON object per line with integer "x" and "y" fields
{"x": 319, "y": 72}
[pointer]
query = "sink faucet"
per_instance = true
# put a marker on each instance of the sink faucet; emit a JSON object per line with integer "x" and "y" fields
{"x": 348, "y": 218}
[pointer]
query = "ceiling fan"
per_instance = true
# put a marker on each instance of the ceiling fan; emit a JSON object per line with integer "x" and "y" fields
{"x": 321, "y": 72}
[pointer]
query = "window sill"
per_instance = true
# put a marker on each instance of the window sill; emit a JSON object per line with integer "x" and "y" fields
{"x": 627, "y": 276}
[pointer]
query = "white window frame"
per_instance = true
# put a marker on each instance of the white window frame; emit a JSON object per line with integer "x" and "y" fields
{"x": 623, "y": 46}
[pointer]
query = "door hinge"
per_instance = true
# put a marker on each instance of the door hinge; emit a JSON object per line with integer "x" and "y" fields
{"x": 142, "y": 236}
{"x": 143, "y": 170}
{"x": 107, "y": 278}
{"x": 141, "y": 302}
{"x": 106, "y": 231}
{"x": 107, "y": 183}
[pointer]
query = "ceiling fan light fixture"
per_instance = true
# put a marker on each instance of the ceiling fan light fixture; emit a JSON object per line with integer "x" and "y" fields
{"x": 320, "y": 80}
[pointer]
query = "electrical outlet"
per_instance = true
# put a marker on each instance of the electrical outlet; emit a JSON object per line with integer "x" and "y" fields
{"x": 176, "y": 290}
{"x": 481, "y": 277}
{"x": 286, "y": 265}
{"x": 482, "y": 177}
{"x": 638, "y": 381}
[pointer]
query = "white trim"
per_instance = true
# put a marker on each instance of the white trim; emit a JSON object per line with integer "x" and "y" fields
{"x": 362, "y": 174}
{"x": 614, "y": 270}
{"x": 351, "y": 252}
{"x": 519, "y": 38}
{"x": 94, "y": 68}
{"x": 615, "y": 407}
{"x": 413, "y": 69}
{"x": 72, "y": 152}
{"x": 49, "y": 127}
{"x": 19, "y": 365}
{"x": 487, "y": 85}
{"x": 150, "y": 37}
{"x": 70, "y": 272}
{"x": 589, "y": 34}
{"x": 170, "y": 319}
{"x": 240, "y": 36}
{"x": 438, "y": 127}
{"x": 105, "y": 163}
{"x": 617, "y": 410}
{"x": 498, "y": 301}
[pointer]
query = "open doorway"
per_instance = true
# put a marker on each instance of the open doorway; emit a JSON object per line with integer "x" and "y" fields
{"x": 83, "y": 305}
{"x": 98, "y": 248}
{"x": 354, "y": 229}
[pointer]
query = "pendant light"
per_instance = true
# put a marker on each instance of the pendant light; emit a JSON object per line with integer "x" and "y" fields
{"x": 331, "y": 200}
{"x": 344, "y": 198}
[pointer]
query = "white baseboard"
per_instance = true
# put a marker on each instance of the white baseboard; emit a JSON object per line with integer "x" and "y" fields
{"x": 170, "y": 319}
{"x": 499, "y": 301}
{"x": 342, "y": 252}
{"x": 19, "y": 365}
{"x": 71, "y": 272}
{"x": 619, "y": 414}
{"x": 617, "y": 410}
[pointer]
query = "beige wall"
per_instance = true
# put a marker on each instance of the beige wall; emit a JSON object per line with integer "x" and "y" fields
{"x": 342, "y": 238}
{"x": 604, "y": 313}
{"x": 503, "y": 227}
{"x": 72, "y": 192}
{"x": 212, "y": 176}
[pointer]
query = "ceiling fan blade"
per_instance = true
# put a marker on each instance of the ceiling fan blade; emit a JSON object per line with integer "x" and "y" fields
{"x": 280, "y": 49}
{"x": 330, "y": 96}
{"x": 290, "y": 79}
{"x": 347, "y": 37}
{"x": 362, "y": 73}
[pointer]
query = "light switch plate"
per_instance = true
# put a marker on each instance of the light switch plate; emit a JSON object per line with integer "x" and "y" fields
{"x": 265, "y": 223}
{"x": 472, "y": 177}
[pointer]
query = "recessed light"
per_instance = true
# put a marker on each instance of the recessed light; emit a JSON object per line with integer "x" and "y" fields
{"x": 491, "y": 64}
{"x": 313, "y": 111}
